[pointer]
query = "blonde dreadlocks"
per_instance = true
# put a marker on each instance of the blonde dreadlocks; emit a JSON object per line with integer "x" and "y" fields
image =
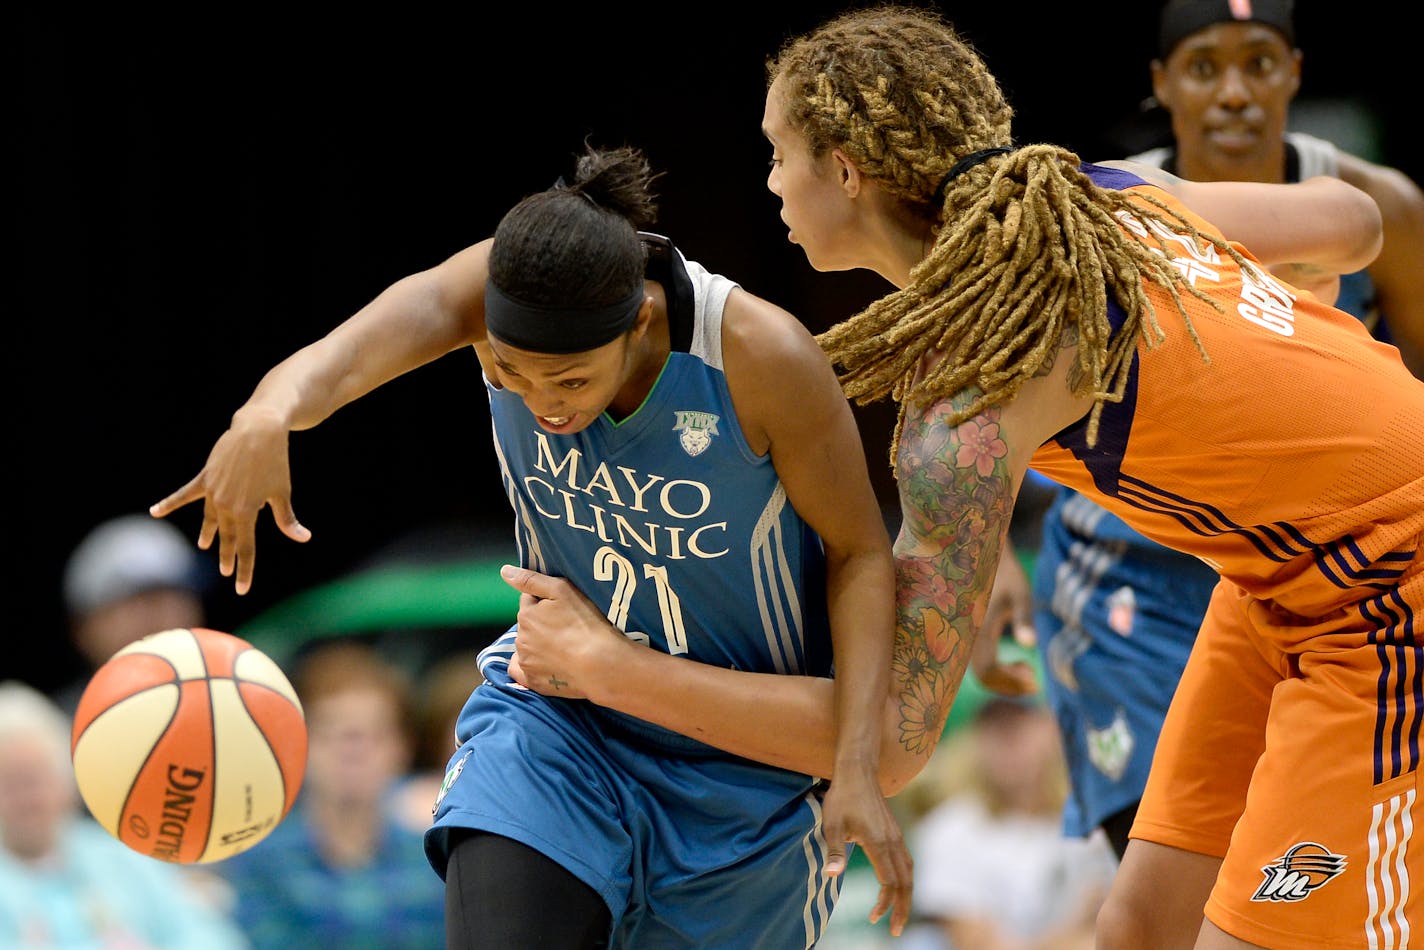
{"x": 1027, "y": 248}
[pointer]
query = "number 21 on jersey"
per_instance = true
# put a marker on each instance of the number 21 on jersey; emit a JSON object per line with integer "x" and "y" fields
{"x": 609, "y": 565}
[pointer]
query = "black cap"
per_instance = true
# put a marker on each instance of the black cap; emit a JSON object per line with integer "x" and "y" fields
{"x": 1182, "y": 18}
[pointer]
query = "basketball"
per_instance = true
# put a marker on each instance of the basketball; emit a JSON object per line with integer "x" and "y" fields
{"x": 189, "y": 746}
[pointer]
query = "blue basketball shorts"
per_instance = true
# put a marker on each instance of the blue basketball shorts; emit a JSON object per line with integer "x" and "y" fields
{"x": 689, "y": 847}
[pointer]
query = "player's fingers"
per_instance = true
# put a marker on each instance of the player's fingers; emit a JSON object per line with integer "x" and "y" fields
{"x": 897, "y": 901}
{"x": 896, "y": 872}
{"x": 835, "y": 848}
{"x": 209, "y": 529}
{"x": 530, "y": 582}
{"x": 217, "y": 528}
{"x": 526, "y": 620}
{"x": 287, "y": 521}
{"x": 190, "y": 492}
{"x": 246, "y": 565}
{"x": 246, "y": 552}
{"x": 1017, "y": 678}
{"x": 237, "y": 549}
{"x": 891, "y": 860}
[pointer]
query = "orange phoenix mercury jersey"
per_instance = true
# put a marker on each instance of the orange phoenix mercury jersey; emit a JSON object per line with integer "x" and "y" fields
{"x": 1290, "y": 458}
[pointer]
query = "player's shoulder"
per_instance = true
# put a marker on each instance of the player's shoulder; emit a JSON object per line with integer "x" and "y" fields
{"x": 1122, "y": 173}
{"x": 1391, "y": 188}
{"x": 759, "y": 331}
{"x": 774, "y": 366}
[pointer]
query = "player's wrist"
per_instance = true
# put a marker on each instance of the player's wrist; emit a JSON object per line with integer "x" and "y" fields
{"x": 619, "y": 673}
{"x": 252, "y": 416}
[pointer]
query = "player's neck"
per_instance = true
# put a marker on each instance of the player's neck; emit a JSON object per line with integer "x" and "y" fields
{"x": 652, "y": 354}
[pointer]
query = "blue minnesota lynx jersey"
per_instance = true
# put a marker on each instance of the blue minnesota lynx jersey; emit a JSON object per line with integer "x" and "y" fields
{"x": 668, "y": 522}
{"x": 666, "y": 519}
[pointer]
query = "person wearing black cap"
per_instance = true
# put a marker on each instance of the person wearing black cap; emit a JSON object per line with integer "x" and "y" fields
{"x": 1075, "y": 319}
{"x": 1226, "y": 72}
{"x": 679, "y": 451}
{"x": 1179, "y": 19}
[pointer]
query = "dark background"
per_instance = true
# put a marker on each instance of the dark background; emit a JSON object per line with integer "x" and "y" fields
{"x": 198, "y": 198}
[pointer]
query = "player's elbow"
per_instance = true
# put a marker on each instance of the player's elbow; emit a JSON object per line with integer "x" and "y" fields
{"x": 1359, "y": 224}
{"x": 899, "y": 763}
{"x": 1369, "y": 236}
{"x": 898, "y": 767}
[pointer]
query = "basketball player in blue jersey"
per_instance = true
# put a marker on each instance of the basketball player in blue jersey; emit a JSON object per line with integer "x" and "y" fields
{"x": 1106, "y": 599}
{"x": 1226, "y": 74}
{"x": 679, "y": 453}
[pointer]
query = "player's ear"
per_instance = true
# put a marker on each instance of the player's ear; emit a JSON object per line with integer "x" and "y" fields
{"x": 846, "y": 173}
{"x": 1296, "y": 57}
{"x": 643, "y": 319}
{"x": 1159, "y": 84}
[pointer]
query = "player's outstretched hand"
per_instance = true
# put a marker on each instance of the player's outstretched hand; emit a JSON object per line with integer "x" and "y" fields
{"x": 855, "y": 810}
{"x": 565, "y": 644}
{"x": 247, "y": 470}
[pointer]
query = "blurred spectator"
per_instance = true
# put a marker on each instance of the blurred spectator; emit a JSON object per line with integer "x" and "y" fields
{"x": 440, "y": 695}
{"x": 64, "y": 881}
{"x": 342, "y": 871}
{"x": 130, "y": 576}
{"x": 993, "y": 870}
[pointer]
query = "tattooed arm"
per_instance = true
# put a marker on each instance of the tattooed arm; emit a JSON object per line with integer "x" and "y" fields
{"x": 956, "y": 498}
{"x": 957, "y": 484}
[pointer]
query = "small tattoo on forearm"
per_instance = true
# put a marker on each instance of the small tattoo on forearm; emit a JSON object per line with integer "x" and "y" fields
{"x": 557, "y": 683}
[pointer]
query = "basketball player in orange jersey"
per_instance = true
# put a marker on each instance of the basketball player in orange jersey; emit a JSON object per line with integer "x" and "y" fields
{"x": 1115, "y": 615}
{"x": 1080, "y": 320}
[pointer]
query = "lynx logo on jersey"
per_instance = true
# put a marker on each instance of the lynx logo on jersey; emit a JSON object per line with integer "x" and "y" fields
{"x": 1110, "y": 748}
{"x": 697, "y": 430}
{"x": 1299, "y": 871}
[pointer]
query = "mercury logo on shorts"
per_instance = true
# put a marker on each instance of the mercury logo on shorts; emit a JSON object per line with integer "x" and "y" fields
{"x": 1299, "y": 871}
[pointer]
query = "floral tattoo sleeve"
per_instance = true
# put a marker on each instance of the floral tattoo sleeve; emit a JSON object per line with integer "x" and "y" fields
{"x": 956, "y": 497}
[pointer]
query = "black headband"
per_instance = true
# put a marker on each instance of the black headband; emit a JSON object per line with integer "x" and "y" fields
{"x": 1181, "y": 18}
{"x": 963, "y": 165}
{"x": 545, "y": 328}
